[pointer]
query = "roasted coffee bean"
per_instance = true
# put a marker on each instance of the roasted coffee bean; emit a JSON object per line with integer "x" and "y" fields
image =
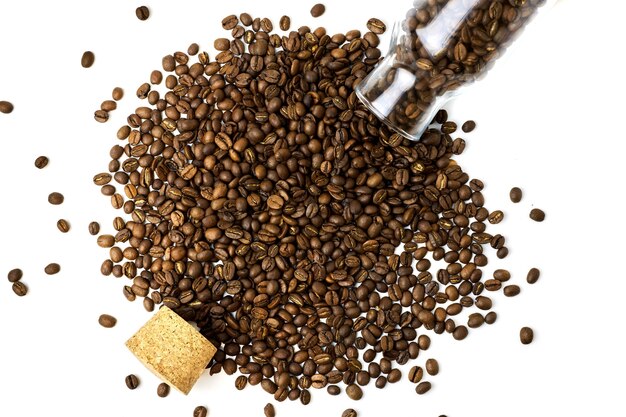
{"x": 460, "y": 332}
{"x": 107, "y": 320}
{"x": 468, "y": 126}
{"x": 41, "y": 162}
{"x": 432, "y": 366}
{"x": 491, "y": 317}
{"x": 496, "y": 217}
{"x": 511, "y": 290}
{"x": 52, "y": 268}
{"x": 526, "y": 335}
{"x": 241, "y": 382}
{"x": 515, "y": 194}
{"x": 193, "y": 49}
{"x": 142, "y": 13}
{"x": 229, "y": 22}
{"x": 376, "y": 26}
{"x": 537, "y": 215}
{"x": 55, "y": 198}
{"x": 533, "y": 275}
{"x": 502, "y": 275}
{"x": 132, "y": 381}
{"x": 94, "y": 228}
{"x": 200, "y": 411}
{"x": 87, "y": 59}
{"x": 117, "y": 94}
{"x": 15, "y": 275}
{"x": 106, "y": 241}
{"x": 354, "y": 392}
{"x": 163, "y": 390}
{"x": 101, "y": 116}
{"x": 19, "y": 288}
{"x": 423, "y": 387}
{"x": 318, "y": 10}
{"x": 268, "y": 410}
{"x": 285, "y": 23}
{"x": 475, "y": 320}
{"x": 394, "y": 376}
{"x": 415, "y": 374}
{"x": 333, "y": 390}
{"x": 63, "y": 225}
{"x": 6, "y": 107}
{"x": 349, "y": 412}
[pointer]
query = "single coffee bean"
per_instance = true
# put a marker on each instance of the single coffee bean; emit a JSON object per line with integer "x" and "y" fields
{"x": 106, "y": 241}
{"x": 268, "y": 410}
{"x": 350, "y": 412}
{"x": 108, "y": 105}
{"x": 63, "y": 225}
{"x": 55, "y": 198}
{"x": 468, "y": 126}
{"x": 15, "y": 275}
{"x": 87, "y": 59}
{"x": 432, "y": 366}
{"x": 460, "y": 332}
{"x": 394, "y": 376}
{"x": 284, "y": 23}
{"x": 515, "y": 194}
{"x": 52, "y": 268}
{"x": 381, "y": 382}
{"x": 163, "y": 390}
{"x": 502, "y": 275}
{"x": 376, "y": 26}
{"x": 107, "y": 320}
{"x": 6, "y": 107}
{"x": 318, "y": 10}
{"x": 142, "y": 13}
{"x": 475, "y": 320}
{"x": 537, "y": 215}
{"x": 229, "y": 22}
{"x": 94, "y": 228}
{"x": 132, "y": 381}
{"x": 101, "y": 116}
{"x": 193, "y": 49}
{"x": 19, "y": 288}
{"x": 423, "y": 387}
{"x": 533, "y": 275}
{"x": 415, "y": 374}
{"x": 354, "y": 392}
{"x": 200, "y": 411}
{"x": 526, "y": 335}
{"x": 117, "y": 94}
{"x": 41, "y": 162}
{"x": 496, "y": 217}
{"x": 333, "y": 390}
{"x": 491, "y": 317}
{"x": 240, "y": 382}
{"x": 511, "y": 290}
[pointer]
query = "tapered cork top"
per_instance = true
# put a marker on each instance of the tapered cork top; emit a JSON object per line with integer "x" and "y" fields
{"x": 172, "y": 349}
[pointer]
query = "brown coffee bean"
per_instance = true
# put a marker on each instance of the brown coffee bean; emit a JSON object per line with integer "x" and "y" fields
{"x": 460, "y": 332}
{"x": 229, "y": 22}
{"x": 6, "y": 107}
{"x": 470, "y": 125}
{"x": 354, "y": 392}
{"x": 394, "y": 376}
{"x": 511, "y": 290}
{"x": 533, "y": 275}
{"x": 526, "y": 335}
{"x": 142, "y": 13}
{"x": 515, "y": 194}
{"x": 106, "y": 241}
{"x": 415, "y": 374}
{"x": 41, "y": 162}
{"x": 15, "y": 275}
{"x": 285, "y": 23}
{"x": 496, "y": 217}
{"x": 52, "y": 269}
{"x": 132, "y": 382}
{"x": 376, "y": 26}
{"x": 94, "y": 228}
{"x": 87, "y": 59}
{"x": 432, "y": 366}
{"x": 200, "y": 411}
{"x": 268, "y": 410}
{"x": 502, "y": 275}
{"x": 349, "y": 412}
{"x": 117, "y": 94}
{"x": 55, "y": 198}
{"x": 491, "y": 317}
{"x": 163, "y": 390}
{"x": 333, "y": 390}
{"x": 475, "y": 320}
{"x": 537, "y": 215}
{"x": 63, "y": 225}
{"x": 193, "y": 49}
{"x": 423, "y": 387}
{"x": 19, "y": 288}
{"x": 101, "y": 116}
{"x": 318, "y": 10}
{"x": 107, "y": 320}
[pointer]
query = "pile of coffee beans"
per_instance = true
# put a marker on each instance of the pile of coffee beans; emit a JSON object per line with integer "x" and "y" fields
{"x": 300, "y": 234}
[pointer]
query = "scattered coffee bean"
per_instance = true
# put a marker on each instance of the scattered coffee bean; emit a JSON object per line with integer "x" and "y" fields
{"x": 285, "y": 23}
{"x": 333, "y": 390}
{"x": 376, "y": 26}
{"x": 495, "y": 217}
{"x": 318, "y": 10}
{"x": 350, "y": 412}
{"x": 229, "y": 22}
{"x": 432, "y": 366}
{"x": 268, "y": 410}
{"x": 117, "y": 94}
{"x": 491, "y": 317}
{"x": 468, "y": 126}
{"x": 55, "y": 198}
{"x": 423, "y": 387}
{"x": 163, "y": 390}
{"x": 394, "y": 376}
{"x": 354, "y": 392}
{"x": 475, "y": 320}
{"x": 142, "y": 13}
{"x": 15, "y": 275}
{"x": 20, "y": 288}
{"x": 41, "y": 162}
{"x": 537, "y": 215}
{"x": 94, "y": 228}
{"x": 200, "y": 411}
{"x": 515, "y": 194}
{"x": 107, "y": 320}
{"x": 193, "y": 49}
{"x": 63, "y": 225}
{"x": 87, "y": 59}
{"x": 6, "y": 107}
{"x": 415, "y": 374}
{"x": 511, "y": 290}
{"x": 132, "y": 381}
{"x": 52, "y": 269}
{"x": 101, "y": 116}
{"x": 106, "y": 241}
{"x": 533, "y": 275}
{"x": 526, "y": 335}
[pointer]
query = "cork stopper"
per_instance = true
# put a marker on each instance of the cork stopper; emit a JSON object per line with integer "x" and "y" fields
{"x": 172, "y": 349}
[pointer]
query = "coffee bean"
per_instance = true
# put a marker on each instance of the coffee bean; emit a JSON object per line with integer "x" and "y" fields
{"x": 142, "y": 13}
{"x": 511, "y": 290}
{"x": 333, "y": 390}
{"x": 101, "y": 116}
{"x": 63, "y": 225}
{"x": 163, "y": 390}
{"x": 106, "y": 241}
{"x": 354, "y": 392}
{"x": 285, "y": 23}
{"x": 221, "y": 44}
{"x": 19, "y": 288}
{"x": 94, "y": 228}
{"x": 460, "y": 332}
{"x": 41, "y": 162}
{"x": 491, "y": 317}
{"x": 6, "y": 107}
{"x": 229, "y": 22}
{"x": 15, "y": 275}
{"x": 132, "y": 381}
{"x": 55, "y": 198}
{"x": 52, "y": 269}
{"x": 415, "y": 374}
{"x": 87, "y": 59}
{"x": 117, "y": 94}
{"x": 107, "y": 321}
{"x": 318, "y": 10}
{"x": 200, "y": 411}
{"x": 496, "y": 217}
{"x": 423, "y": 387}
{"x": 376, "y": 26}
{"x": 475, "y": 320}
{"x": 349, "y": 412}
{"x": 269, "y": 411}
{"x": 193, "y": 49}
{"x": 468, "y": 126}
{"x": 515, "y": 194}
{"x": 394, "y": 376}
{"x": 526, "y": 335}
{"x": 537, "y": 215}
{"x": 432, "y": 366}
{"x": 533, "y": 275}
{"x": 502, "y": 275}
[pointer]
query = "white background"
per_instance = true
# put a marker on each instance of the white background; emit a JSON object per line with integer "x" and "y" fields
{"x": 549, "y": 120}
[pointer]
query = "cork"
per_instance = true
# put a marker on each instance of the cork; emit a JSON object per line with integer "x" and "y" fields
{"x": 172, "y": 349}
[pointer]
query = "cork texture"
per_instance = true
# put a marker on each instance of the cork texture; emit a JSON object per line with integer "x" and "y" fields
{"x": 172, "y": 349}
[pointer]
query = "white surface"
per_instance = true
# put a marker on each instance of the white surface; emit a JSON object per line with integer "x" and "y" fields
{"x": 549, "y": 120}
